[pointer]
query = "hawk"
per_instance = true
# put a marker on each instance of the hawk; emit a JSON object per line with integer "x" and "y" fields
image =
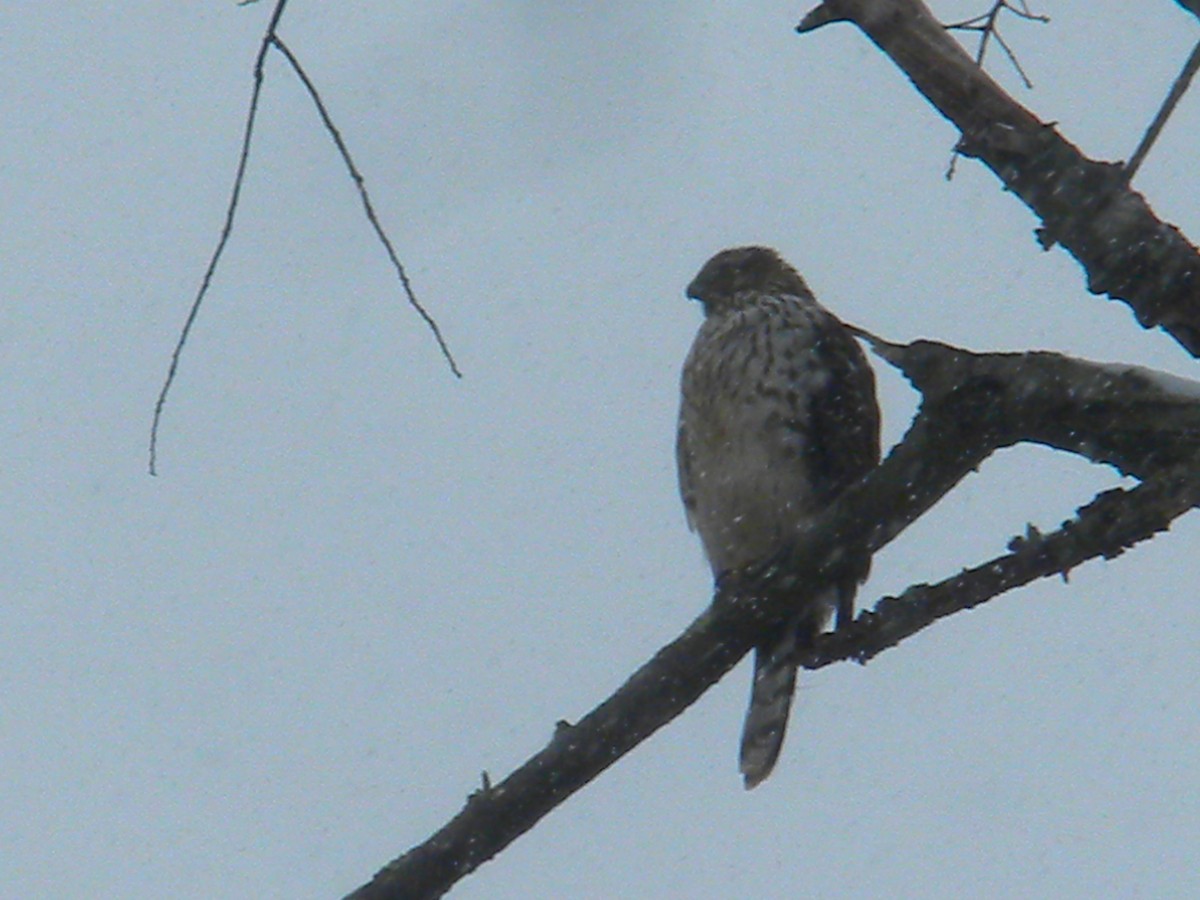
{"x": 778, "y": 416}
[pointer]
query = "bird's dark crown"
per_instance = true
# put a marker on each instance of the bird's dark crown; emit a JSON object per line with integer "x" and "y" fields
{"x": 740, "y": 270}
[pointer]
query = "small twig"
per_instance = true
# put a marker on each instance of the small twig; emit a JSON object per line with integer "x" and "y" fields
{"x": 360, "y": 183}
{"x": 226, "y": 230}
{"x": 1178, "y": 89}
{"x": 1012, "y": 58}
{"x": 988, "y": 28}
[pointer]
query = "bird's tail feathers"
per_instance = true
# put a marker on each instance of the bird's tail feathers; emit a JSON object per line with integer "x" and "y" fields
{"x": 775, "y": 685}
{"x": 770, "y": 702}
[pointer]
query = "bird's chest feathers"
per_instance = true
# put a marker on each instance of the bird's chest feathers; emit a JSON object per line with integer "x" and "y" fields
{"x": 748, "y": 388}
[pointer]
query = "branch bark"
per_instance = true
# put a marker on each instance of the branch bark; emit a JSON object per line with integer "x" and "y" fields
{"x": 972, "y": 405}
{"x": 1084, "y": 204}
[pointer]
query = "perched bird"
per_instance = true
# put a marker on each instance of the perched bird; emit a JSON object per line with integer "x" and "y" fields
{"x": 778, "y": 416}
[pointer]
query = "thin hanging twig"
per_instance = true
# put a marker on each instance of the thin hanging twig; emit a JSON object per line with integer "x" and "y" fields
{"x": 271, "y": 39}
{"x": 360, "y": 183}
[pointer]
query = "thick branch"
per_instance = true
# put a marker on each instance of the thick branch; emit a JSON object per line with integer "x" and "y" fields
{"x": 1135, "y": 419}
{"x": 973, "y": 404}
{"x": 1085, "y": 205}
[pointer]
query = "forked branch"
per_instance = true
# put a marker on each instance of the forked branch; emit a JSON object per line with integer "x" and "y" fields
{"x": 987, "y": 25}
{"x": 271, "y": 39}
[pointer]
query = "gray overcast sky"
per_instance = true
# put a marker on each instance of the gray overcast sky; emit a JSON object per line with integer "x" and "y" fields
{"x": 358, "y": 582}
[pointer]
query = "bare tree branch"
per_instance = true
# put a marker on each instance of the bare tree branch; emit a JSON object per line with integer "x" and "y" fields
{"x": 368, "y": 207}
{"x": 226, "y": 230}
{"x": 1087, "y": 206}
{"x": 972, "y": 405}
{"x": 1182, "y": 82}
{"x": 272, "y": 39}
{"x": 1139, "y": 421}
{"x": 988, "y": 26}
{"x": 1107, "y": 527}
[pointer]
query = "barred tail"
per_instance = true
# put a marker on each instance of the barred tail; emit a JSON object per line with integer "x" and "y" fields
{"x": 775, "y": 682}
{"x": 770, "y": 701}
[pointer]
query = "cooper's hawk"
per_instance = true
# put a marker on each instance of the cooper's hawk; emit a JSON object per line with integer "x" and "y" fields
{"x": 778, "y": 417}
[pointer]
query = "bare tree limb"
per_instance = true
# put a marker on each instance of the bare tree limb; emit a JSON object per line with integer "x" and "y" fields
{"x": 368, "y": 208}
{"x": 272, "y": 39}
{"x": 226, "y": 231}
{"x": 988, "y": 26}
{"x": 1139, "y": 421}
{"x": 1086, "y": 205}
{"x": 1178, "y": 89}
{"x": 972, "y": 405}
{"x": 1110, "y": 525}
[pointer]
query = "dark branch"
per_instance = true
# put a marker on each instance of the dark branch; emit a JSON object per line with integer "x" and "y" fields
{"x": 272, "y": 39}
{"x": 368, "y": 208}
{"x": 1086, "y": 205}
{"x": 226, "y": 230}
{"x": 1178, "y": 89}
{"x": 1137, "y": 420}
{"x": 1107, "y": 527}
{"x": 973, "y": 404}
{"x": 988, "y": 26}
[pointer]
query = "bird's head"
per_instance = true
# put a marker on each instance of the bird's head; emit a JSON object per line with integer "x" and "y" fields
{"x": 738, "y": 273}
